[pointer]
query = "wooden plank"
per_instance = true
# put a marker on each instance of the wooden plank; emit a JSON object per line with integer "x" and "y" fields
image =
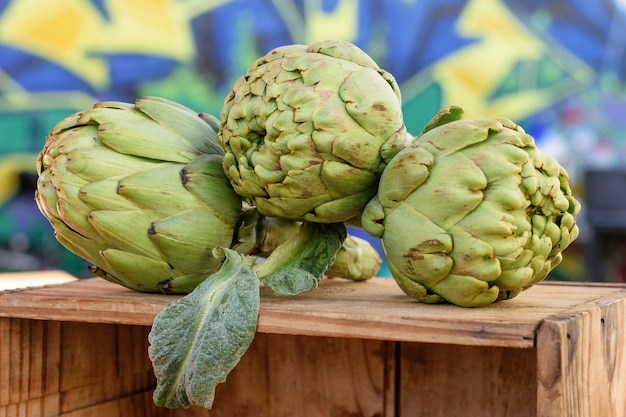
{"x": 102, "y": 361}
{"x": 317, "y": 376}
{"x": 582, "y": 363}
{"x": 376, "y": 309}
{"x": 472, "y": 381}
{"x": 55, "y": 367}
{"x": 92, "y": 300}
{"x": 27, "y": 369}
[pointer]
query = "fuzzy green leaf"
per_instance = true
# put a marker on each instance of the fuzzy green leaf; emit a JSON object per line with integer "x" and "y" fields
{"x": 198, "y": 339}
{"x": 299, "y": 263}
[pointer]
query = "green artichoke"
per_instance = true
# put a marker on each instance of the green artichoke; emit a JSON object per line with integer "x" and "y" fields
{"x": 308, "y": 130}
{"x": 139, "y": 191}
{"x": 472, "y": 212}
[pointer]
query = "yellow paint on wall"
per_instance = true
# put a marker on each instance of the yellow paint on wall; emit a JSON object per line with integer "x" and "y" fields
{"x": 340, "y": 23}
{"x": 61, "y": 31}
{"x": 155, "y": 27}
{"x": 470, "y": 76}
{"x": 74, "y": 34}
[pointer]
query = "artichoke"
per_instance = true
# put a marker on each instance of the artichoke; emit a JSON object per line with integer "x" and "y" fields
{"x": 139, "y": 191}
{"x": 308, "y": 130}
{"x": 472, "y": 212}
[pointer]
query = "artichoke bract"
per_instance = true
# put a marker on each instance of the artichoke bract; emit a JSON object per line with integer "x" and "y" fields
{"x": 139, "y": 191}
{"x": 472, "y": 212}
{"x": 308, "y": 130}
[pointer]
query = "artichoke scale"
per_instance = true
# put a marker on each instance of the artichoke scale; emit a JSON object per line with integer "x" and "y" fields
{"x": 417, "y": 246}
{"x": 512, "y": 279}
{"x": 343, "y": 50}
{"x": 303, "y": 184}
{"x": 77, "y": 243}
{"x": 62, "y": 177}
{"x": 506, "y": 194}
{"x": 455, "y": 136}
{"x": 46, "y": 195}
{"x": 103, "y": 195}
{"x": 497, "y": 161}
{"x": 453, "y": 190}
{"x": 204, "y": 178}
{"x": 182, "y": 284}
{"x": 473, "y": 257}
{"x": 321, "y": 71}
{"x": 186, "y": 240}
{"x": 376, "y": 109}
{"x": 74, "y": 138}
{"x": 333, "y": 118}
{"x": 553, "y": 231}
{"x": 372, "y": 218}
{"x": 343, "y": 180}
{"x": 302, "y": 100}
{"x": 147, "y": 140}
{"x": 445, "y": 115}
{"x": 141, "y": 273}
{"x": 65, "y": 124}
{"x": 100, "y": 163}
{"x": 159, "y": 191}
{"x": 466, "y": 291}
{"x": 117, "y": 105}
{"x": 340, "y": 209}
{"x": 125, "y": 230}
{"x": 75, "y": 215}
{"x": 413, "y": 288}
{"x": 359, "y": 149}
{"x": 510, "y": 133}
{"x": 406, "y": 172}
{"x": 291, "y": 208}
{"x": 494, "y": 226}
{"x": 181, "y": 121}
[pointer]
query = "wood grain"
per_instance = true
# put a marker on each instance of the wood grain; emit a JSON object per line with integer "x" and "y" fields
{"x": 471, "y": 381}
{"x": 582, "y": 363}
{"x": 318, "y": 376}
{"x": 53, "y": 368}
{"x": 75, "y": 369}
{"x": 376, "y": 309}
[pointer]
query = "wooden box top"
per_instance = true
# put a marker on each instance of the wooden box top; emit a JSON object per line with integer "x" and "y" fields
{"x": 375, "y": 309}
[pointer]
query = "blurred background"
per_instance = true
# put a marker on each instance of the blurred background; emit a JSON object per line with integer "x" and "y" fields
{"x": 556, "y": 67}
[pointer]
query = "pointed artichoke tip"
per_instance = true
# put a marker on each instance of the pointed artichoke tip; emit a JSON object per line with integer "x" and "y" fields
{"x": 445, "y": 115}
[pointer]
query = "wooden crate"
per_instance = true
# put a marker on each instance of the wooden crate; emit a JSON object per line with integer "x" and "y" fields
{"x": 346, "y": 349}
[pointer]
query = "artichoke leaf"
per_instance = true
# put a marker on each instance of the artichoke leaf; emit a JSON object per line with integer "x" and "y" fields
{"x": 197, "y": 340}
{"x": 299, "y": 263}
